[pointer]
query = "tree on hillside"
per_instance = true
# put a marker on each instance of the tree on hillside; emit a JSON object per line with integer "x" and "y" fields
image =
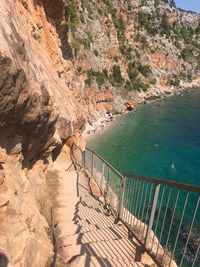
{"x": 165, "y": 23}
{"x": 172, "y": 3}
{"x": 157, "y": 3}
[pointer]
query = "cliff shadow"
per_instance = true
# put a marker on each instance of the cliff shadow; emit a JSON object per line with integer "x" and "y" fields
{"x": 55, "y": 11}
{"x": 3, "y": 260}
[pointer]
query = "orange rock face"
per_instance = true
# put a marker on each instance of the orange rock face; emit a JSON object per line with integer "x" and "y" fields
{"x": 3, "y": 156}
{"x": 161, "y": 61}
{"x": 131, "y": 104}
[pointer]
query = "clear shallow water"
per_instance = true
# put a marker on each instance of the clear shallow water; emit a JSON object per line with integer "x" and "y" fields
{"x": 160, "y": 140}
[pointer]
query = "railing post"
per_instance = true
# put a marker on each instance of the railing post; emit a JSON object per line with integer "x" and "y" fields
{"x": 153, "y": 210}
{"x": 83, "y": 159}
{"x": 102, "y": 175}
{"x": 92, "y": 167}
{"x": 121, "y": 196}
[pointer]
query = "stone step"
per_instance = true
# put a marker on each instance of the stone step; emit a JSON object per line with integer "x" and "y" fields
{"x": 121, "y": 249}
{"x": 86, "y": 260}
{"x": 95, "y": 224}
{"x": 70, "y": 229}
{"x": 103, "y": 234}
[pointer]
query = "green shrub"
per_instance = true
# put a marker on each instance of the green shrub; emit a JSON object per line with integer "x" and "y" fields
{"x": 90, "y": 75}
{"x": 145, "y": 70}
{"x": 147, "y": 21}
{"x": 129, "y": 7}
{"x": 143, "y": 18}
{"x": 84, "y": 4}
{"x": 197, "y": 30}
{"x": 86, "y": 43}
{"x": 100, "y": 80}
{"x": 137, "y": 85}
{"x": 116, "y": 75}
{"x": 153, "y": 82}
{"x": 189, "y": 77}
{"x": 132, "y": 65}
{"x": 100, "y": 77}
{"x": 186, "y": 53}
{"x": 89, "y": 36}
{"x": 127, "y": 52}
{"x": 165, "y": 25}
{"x": 82, "y": 18}
{"x": 116, "y": 58}
{"x": 76, "y": 45}
{"x": 156, "y": 3}
{"x": 105, "y": 74}
{"x": 133, "y": 74}
{"x": 71, "y": 14}
{"x": 175, "y": 81}
{"x": 96, "y": 53}
{"x": 142, "y": 39}
{"x": 172, "y": 3}
{"x": 198, "y": 63}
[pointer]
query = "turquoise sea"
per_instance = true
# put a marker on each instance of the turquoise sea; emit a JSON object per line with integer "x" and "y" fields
{"x": 160, "y": 140}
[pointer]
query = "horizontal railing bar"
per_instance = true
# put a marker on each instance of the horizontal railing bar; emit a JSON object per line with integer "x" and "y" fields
{"x": 108, "y": 164}
{"x": 193, "y": 188}
{"x": 187, "y": 187}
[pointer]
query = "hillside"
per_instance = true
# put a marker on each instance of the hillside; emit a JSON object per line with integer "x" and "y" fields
{"x": 133, "y": 46}
{"x": 65, "y": 63}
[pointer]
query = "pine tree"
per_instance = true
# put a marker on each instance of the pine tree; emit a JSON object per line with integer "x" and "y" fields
{"x": 172, "y": 3}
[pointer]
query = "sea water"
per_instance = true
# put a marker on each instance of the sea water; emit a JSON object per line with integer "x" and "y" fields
{"x": 160, "y": 140}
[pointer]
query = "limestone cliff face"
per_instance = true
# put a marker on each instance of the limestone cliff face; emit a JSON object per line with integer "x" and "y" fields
{"x": 23, "y": 230}
{"x": 32, "y": 106}
{"x": 38, "y": 113}
{"x": 65, "y": 62}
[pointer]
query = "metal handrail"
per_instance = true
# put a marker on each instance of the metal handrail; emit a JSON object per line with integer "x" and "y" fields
{"x": 183, "y": 186}
{"x": 136, "y": 194}
{"x": 178, "y": 185}
{"x": 107, "y": 163}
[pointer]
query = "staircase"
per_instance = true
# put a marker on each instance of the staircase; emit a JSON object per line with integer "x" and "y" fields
{"x": 87, "y": 235}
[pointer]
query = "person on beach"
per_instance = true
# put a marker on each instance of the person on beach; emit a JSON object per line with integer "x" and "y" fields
{"x": 109, "y": 117}
{"x": 94, "y": 126}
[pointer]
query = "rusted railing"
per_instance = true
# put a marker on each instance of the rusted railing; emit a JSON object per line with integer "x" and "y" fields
{"x": 163, "y": 215}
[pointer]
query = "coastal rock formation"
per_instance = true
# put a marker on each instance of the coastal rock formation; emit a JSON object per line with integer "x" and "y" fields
{"x": 65, "y": 63}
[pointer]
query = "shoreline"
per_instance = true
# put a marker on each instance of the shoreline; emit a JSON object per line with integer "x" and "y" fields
{"x": 89, "y": 137}
{"x": 158, "y": 93}
{"x": 147, "y": 98}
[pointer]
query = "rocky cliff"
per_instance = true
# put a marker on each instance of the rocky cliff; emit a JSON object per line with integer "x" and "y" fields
{"x": 63, "y": 63}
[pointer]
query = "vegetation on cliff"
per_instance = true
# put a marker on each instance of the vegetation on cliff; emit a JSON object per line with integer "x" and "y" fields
{"x": 147, "y": 43}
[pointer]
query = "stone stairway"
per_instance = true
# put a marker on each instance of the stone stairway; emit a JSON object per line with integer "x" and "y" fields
{"x": 87, "y": 234}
